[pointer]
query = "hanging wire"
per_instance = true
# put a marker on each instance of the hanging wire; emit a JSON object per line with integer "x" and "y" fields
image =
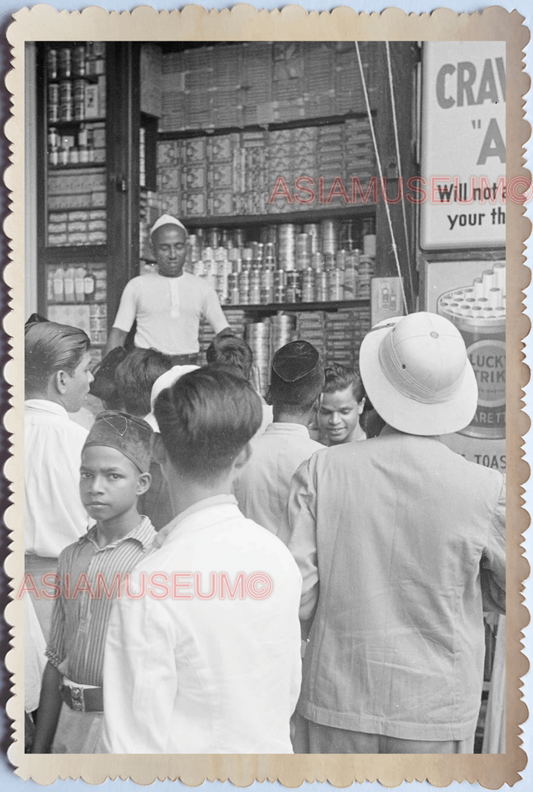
{"x": 399, "y": 160}
{"x": 378, "y": 160}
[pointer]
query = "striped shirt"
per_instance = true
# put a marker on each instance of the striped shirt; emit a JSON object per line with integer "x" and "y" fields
{"x": 89, "y": 577}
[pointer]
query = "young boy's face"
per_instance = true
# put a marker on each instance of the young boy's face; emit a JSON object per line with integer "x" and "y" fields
{"x": 109, "y": 483}
{"x": 338, "y": 416}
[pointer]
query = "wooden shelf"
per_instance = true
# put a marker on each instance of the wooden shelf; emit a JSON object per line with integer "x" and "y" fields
{"x": 298, "y": 307}
{"x": 301, "y": 217}
{"x": 74, "y": 124}
{"x": 90, "y": 254}
{"x": 296, "y": 123}
{"x": 77, "y": 166}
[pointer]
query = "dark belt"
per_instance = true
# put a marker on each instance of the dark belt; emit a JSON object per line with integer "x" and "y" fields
{"x": 83, "y": 699}
{"x": 184, "y": 360}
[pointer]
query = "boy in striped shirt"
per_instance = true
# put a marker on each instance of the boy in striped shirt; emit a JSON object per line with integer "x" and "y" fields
{"x": 114, "y": 473}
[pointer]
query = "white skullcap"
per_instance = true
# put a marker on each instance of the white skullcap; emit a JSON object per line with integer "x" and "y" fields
{"x": 163, "y": 382}
{"x": 166, "y": 219}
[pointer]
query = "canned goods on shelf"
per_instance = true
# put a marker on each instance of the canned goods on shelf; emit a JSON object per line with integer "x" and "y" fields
{"x": 51, "y": 64}
{"x": 65, "y": 69}
{"x": 65, "y": 91}
{"x": 308, "y": 285}
{"x": 280, "y": 279}
{"x": 328, "y": 234}
{"x": 53, "y": 93}
{"x": 267, "y": 295}
{"x": 334, "y": 284}
{"x": 78, "y": 61}
{"x": 78, "y": 90}
{"x": 79, "y": 111}
{"x": 321, "y": 286}
{"x": 65, "y": 111}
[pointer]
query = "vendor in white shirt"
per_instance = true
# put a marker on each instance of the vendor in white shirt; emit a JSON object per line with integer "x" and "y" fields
{"x": 167, "y": 304}
{"x": 57, "y": 379}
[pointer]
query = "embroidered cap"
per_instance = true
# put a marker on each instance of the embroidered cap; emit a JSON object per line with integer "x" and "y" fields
{"x": 127, "y": 433}
{"x": 297, "y": 374}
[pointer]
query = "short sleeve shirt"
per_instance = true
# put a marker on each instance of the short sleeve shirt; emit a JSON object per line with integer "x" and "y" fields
{"x": 168, "y": 312}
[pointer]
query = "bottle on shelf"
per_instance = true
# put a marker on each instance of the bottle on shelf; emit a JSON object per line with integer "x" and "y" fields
{"x": 79, "y": 278}
{"x": 63, "y": 153}
{"x": 69, "y": 285}
{"x": 59, "y": 285}
{"x": 52, "y": 64}
{"x": 65, "y": 63}
{"x": 88, "y": 286}
{"x": 78, "y": 61}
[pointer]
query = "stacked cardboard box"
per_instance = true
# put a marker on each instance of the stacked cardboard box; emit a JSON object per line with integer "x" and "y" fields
{"x": 311, "y": 326}
{"x": 236, "y": 174}
{"x": 78, "y": 189}
{"x": 360, "y": 158}
{"x": 259, "y": 83}
{"x": 319, "y": 86}
{"x": 256, "y": 82}
{"x": 151, "y": 82}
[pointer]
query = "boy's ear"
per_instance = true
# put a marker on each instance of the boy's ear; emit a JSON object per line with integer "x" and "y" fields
{"x": 243, "y": 456}
{"x": 159, "y": 452}
{"x": 143, "y": 483}
{"x": 59, "y": 381}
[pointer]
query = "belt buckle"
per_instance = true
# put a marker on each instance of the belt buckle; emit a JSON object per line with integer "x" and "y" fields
{"x": 77, "y": 699}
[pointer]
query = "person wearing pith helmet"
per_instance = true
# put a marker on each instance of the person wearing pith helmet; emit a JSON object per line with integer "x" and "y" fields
{"x": 401, "y": 546}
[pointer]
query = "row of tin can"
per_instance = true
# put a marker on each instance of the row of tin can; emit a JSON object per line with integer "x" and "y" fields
{"x": 78, "y": 61}
{"x": 266, "y": 286}
{"x": 288, "y": 245}
{"x": 66, "y": 101}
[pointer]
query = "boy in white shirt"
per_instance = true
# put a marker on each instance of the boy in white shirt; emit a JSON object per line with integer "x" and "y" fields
{"x": 207, "y": 658}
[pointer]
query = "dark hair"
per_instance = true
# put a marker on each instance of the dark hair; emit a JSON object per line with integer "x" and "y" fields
{"x": 135, "y": 376}
{"x": 339, "y": 377}
{"x": 103, "y": 385}
{"x": 232, "y": 352}
{"x": 205, "y": 420}
{"x": 50, "y": 347}
{"x": 372, "y": 422}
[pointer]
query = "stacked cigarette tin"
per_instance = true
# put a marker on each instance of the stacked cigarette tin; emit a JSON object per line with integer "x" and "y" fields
{"x": 478, "y": 310}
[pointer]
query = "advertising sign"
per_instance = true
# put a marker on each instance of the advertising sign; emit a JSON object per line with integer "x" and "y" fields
{"x": 463, "y": 145}
{"x": 471, "y": 294}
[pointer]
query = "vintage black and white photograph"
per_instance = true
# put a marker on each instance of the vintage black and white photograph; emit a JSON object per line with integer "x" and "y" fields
{"x": 264, "y": 320}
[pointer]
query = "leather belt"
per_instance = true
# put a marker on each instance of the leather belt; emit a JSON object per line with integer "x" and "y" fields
{"x": 83, "y": 699}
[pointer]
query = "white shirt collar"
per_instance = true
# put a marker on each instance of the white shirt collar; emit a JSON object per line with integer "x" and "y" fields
{"x": 206, "y": 503}
{"x": 279, "y": 427}
{"x": 44, "y": 405}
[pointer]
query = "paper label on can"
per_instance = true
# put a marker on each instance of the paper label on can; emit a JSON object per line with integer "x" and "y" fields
{"x": 488, "y": 361}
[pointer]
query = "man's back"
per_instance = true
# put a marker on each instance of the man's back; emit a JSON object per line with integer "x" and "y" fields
{"x": 211, "y": 671}
{"x": 262, "y": 485}
{"x": 402, "y": 528}
{"x": 54, "y": 514}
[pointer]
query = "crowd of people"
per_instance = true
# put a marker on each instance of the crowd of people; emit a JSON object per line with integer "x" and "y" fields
{"x": 212, "y": 571}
